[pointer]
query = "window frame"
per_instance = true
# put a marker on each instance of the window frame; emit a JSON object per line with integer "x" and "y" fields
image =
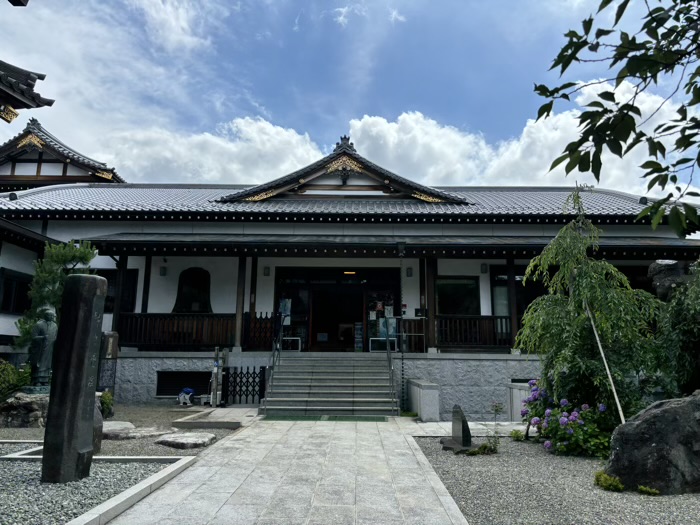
{"x": 14, "y": 277}
{"x": 475, "y": 278}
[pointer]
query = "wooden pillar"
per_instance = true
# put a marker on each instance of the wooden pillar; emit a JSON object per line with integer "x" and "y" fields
{"x": 253, "y": 284}
{"x": 512, "y": 302}
{"x": 430, "y": 275}
{"x": 122, "y": 263}
{"x": 146, "y": 284}
{"x": 240, "y": 299}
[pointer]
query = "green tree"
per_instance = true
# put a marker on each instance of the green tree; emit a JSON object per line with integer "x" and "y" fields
{"x": 50, "y": 272}
{"x": 665, "y": 48}
{"x": 683, "y": 324}
{"x": 557, "y": 326}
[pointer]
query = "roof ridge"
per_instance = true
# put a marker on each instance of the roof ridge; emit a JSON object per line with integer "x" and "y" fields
{"x": 35, "y": 126}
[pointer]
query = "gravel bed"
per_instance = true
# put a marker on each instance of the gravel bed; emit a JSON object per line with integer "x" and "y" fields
{"x": 24, "y": 500}
{"x": 525, "y": 485}
{"x": 11, "y": 448}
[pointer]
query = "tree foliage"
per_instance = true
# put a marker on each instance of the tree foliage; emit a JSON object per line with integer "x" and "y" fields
{"x": 666, "y": 48}
{"x": 50, "y": 272}
{"x": 556, "y": 326}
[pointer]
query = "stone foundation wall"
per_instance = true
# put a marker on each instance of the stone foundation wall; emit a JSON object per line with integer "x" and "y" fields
{"x": 473, "y": 381}
{"x": 137, "y": 372}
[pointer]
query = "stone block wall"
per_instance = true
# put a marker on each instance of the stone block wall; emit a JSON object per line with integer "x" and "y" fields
{"x": 473, "y": 381}
{"x": 137, "y": 372}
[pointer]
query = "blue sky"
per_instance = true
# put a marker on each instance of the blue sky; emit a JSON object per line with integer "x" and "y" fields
{"x": 228, "y": 91}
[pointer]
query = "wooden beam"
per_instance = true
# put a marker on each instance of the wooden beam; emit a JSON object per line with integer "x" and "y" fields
{"x": 146, "y": 284}
{"x": 240, "y": 299}
{"x": 512, "y": 301}
{"x": 253, "y": 284}
{"x": 430, "y": 276}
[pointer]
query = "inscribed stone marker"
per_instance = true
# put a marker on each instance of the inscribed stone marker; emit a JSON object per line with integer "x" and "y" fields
{"x": 461, "y": 438}
{"x": 68, "y": 445}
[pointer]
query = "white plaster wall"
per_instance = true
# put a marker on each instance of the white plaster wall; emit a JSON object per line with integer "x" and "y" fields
{"x": 223, "y": 271}
{"x": 471, "y": 268}
{"x": 16, "y": 258}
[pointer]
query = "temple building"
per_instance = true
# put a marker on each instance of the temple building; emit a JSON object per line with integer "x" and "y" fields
{"x": 17, "y": 91}
{"x": 357, "y": 260}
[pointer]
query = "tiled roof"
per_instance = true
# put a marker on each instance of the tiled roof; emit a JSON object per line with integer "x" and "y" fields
{"x": 156, "y": 198}
{"x": 34, "y": 127}
{"x": 20, "y": 84}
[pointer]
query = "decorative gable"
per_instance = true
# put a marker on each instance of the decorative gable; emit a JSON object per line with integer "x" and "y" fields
{"x": 343, "y": 173}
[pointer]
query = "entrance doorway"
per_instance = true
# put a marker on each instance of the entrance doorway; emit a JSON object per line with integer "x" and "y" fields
{"x": 335, "y": 309}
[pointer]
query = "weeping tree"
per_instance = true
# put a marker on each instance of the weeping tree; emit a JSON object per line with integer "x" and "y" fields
{"x": 558, "y": 328}
{"x": 46, "y": 289}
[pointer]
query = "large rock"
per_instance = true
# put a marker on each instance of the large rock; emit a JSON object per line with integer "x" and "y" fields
{"x": 24, "y": 411}
{"x": 187, "y": 440}
{"x": 660, "y": 447}
{"x": 134, "y": 433}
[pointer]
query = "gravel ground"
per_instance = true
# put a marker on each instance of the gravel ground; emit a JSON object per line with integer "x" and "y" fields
{"x": 524, "y": 485}
{"x": 160, "y": 416}
{"x": 24, "y": 500}
{"x": 11, "y": 448}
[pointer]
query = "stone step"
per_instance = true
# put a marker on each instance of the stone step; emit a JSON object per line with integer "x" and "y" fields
{"x": 331, "y": 387}
{"x": 328, "y": 402}
{"x": 338, "y": 394}
{"x": 322, "y": 377}
{"x": 329, "y": 411}
{"x": 330, "y": 368}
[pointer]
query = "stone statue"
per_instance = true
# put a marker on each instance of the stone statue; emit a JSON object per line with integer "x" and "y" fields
{"x": 665, "y": 277}
{"x": 41, "y": 347}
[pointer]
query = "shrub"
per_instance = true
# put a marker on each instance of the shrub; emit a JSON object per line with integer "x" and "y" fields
{"x": 106, "y": 404}
{"x": 608, "y": 482}
{"x": 567, "y": 429}
{"x": 642, "y": 489}
{"x": 517, "y": 435}
{"x": 12, "y": 378}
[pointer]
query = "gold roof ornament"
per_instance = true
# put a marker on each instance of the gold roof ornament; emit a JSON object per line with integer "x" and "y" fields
{"x": 30, "y": 140}
{"x": 426, "y": 198}
{"x": 260, "y": 196}
{"x": 344, "y": 163}
{"x": 104, "y": 174}
{"x": 8, "y": 113}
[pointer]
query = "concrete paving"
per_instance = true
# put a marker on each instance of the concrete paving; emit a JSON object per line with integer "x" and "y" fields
{"x": 310, "y": 473}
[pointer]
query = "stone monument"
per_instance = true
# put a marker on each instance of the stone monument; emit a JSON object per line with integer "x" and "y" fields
{"x": 461, "y": 439}
{"x": 68, "y": 441}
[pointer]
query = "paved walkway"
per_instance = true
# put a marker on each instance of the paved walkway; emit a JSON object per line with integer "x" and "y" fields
{"x": 311, "y": 473}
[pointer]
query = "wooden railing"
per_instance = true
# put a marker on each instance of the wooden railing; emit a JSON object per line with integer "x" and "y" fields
{"x": 172, "y": 331}
{"x": 473, "y": 330}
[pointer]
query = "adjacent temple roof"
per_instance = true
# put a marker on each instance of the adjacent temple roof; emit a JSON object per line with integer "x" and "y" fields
{"x": 35, "y": 138}
{"x": 17, "y": 91}
{"x": 340, "y": 165}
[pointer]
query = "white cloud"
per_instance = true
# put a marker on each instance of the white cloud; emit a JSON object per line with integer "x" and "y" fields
{"x": 341, "y": 15}
{"x": 181, "y": 24}
{"x": 244, "y": 151}
{"x": 395, "y": 16}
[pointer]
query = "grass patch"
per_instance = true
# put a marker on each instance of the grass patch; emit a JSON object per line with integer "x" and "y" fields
{"x": 643, "y": 489}
{"x": 517, "y": 435}
{"x": 608, "y": 482}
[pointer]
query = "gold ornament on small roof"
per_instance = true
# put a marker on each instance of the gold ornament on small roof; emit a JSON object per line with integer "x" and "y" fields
{"x": 8, "y": 113}
{"x": 260, "y": 196}
{"x": 426, "y": 198}
{"x": 344, "y": 163}
{"x": 30, "y": 140}
{"x": 104, "y": 174}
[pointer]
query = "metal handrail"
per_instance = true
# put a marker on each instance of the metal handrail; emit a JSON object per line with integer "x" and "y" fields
{"x": 274, "y": 358}
{"x": 390, "y": 364}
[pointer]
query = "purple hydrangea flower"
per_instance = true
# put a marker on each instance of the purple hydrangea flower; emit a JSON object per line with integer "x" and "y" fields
{"x": 581, "y": 422}
{"x": 527, "y": 400}
{"x": 565, "y": 414}
{"x": 535, "y": 421}
{"x": 548, "y": 412}
{"x": 547, "y": 444}
{"x": 569, "y": 430}
{"x": 574, "y": 416}
{"x": 563, "y": 421}
{"x": 564, "y": 402}
{"x": 524, "y": 412}
{"x": 585, "y": 407}
{"x": 602, "y": 408}
{"x": 532, "y": 382}
{"x": 545, "y": 424}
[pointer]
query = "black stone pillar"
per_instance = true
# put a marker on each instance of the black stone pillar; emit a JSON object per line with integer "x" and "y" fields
{"x": 68, "y": 446}
{"x": 240, "y": 300}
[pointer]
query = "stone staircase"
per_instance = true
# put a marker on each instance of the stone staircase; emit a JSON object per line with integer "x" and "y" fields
{"x": 330, "y": 384}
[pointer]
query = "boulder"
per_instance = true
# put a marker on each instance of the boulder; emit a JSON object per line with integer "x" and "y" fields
{"x": 134, "y": 433}
{"x": 23, "y": 410}
{"x": 660, "y": 447}
{"x": 187, "y": 440}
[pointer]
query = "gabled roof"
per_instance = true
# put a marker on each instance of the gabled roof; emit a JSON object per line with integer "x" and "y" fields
{"x": 345, "y": 160}
{"x": 17, "y": 90}
{"x": 35, "y": 136}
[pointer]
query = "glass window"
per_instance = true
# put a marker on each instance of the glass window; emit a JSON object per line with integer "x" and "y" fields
{"x": 15, "y": 291}
{"x": 128, "y": 289}
{"x": 457, "y": 296}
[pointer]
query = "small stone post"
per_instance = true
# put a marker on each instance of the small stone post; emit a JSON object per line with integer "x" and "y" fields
{"x": 68, "y": 445}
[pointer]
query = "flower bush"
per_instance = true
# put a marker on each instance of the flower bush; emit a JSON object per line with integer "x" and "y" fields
{"x": 566, "y": 428}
